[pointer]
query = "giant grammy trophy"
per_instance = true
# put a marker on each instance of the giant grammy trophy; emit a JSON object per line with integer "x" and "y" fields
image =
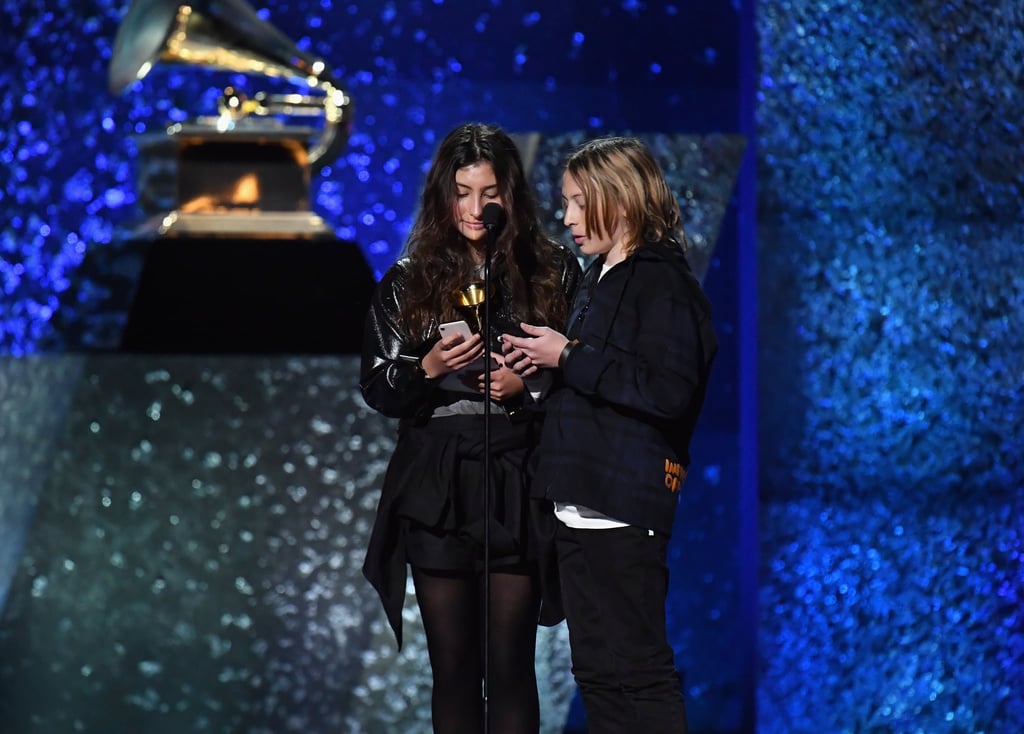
{"x": 243, "y": 166}
{"x": 238, "y": 262}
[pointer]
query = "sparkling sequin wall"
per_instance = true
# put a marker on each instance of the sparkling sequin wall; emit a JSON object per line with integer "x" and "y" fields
{"x": 892, "y": 360}
{"x": 68, "y": 147}
{"x": 193, "y": 562}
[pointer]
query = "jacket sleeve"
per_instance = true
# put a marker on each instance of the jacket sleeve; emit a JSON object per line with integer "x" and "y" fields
{"x": 541, "y": 383}
{"x": 661, "y": 372}
{"x": 391, "y": 380}
{"x": 572, "y": 276}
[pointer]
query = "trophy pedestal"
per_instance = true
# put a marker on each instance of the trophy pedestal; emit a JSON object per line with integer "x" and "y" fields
{"x": 224, "y": 294}
{"x": 252, "y": 180}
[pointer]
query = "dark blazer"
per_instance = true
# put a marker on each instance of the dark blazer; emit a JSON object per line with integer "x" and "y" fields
{"x": 617, "y": 430}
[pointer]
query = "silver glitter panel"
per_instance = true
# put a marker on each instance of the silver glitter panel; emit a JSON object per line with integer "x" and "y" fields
{"x": 701, "y": 170}
{"x": 34, "y": 397}
{"x": 194, "y": 563}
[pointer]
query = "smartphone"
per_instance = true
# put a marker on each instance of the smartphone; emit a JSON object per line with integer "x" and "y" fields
{"x": 455, "y": 327}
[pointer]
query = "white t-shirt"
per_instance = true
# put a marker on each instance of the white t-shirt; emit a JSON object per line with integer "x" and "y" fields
{"x": 583, "y": 518}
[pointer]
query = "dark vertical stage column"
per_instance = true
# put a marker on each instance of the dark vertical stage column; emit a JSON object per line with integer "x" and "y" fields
{"x": 749, "y": 445}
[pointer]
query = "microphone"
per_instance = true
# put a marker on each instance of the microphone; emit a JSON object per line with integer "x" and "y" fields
{"x": 493, "y": 217}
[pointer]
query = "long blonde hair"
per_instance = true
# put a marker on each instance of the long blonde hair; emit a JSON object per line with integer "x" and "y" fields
{"x": 619, "y": 177}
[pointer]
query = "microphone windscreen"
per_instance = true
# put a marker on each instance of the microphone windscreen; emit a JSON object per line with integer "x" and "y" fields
{"x": 493, "y": 216}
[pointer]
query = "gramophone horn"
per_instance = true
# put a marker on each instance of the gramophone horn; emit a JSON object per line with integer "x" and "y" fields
{"x": 470, "y": 300}
{"x": 228, "y": 35}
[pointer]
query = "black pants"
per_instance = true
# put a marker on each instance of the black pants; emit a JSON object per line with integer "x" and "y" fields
{"x": 614, "y": 586}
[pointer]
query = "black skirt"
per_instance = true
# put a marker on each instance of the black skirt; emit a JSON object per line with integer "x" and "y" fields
{"x": 431, "y": 510}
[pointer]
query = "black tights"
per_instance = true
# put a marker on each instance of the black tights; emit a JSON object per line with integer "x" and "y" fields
{"x": 451, "y": 605}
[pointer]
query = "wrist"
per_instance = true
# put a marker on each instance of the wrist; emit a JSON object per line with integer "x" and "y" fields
{"x": 421, "y": 365}
{"x": 564, "y": 355}
{"x": 416, "y": 363}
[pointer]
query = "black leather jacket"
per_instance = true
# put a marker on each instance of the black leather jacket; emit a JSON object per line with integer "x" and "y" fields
{"x": 390, "y": 379}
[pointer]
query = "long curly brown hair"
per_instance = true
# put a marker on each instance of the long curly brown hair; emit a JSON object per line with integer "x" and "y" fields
{"x": 525, "y": 261}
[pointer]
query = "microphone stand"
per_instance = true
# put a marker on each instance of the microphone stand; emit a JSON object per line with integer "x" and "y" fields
{"x": 492, "y": 217}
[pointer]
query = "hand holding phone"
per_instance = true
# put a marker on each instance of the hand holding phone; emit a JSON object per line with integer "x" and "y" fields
{"x": 455, "y": 327}
{"x": 465, "y": 374}
{"x": 453, "y": 352}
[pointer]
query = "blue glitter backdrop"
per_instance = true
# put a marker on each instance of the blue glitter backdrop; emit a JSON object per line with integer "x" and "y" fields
{"x": 415, "y": 69}
{"x": 892, "y": 363}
